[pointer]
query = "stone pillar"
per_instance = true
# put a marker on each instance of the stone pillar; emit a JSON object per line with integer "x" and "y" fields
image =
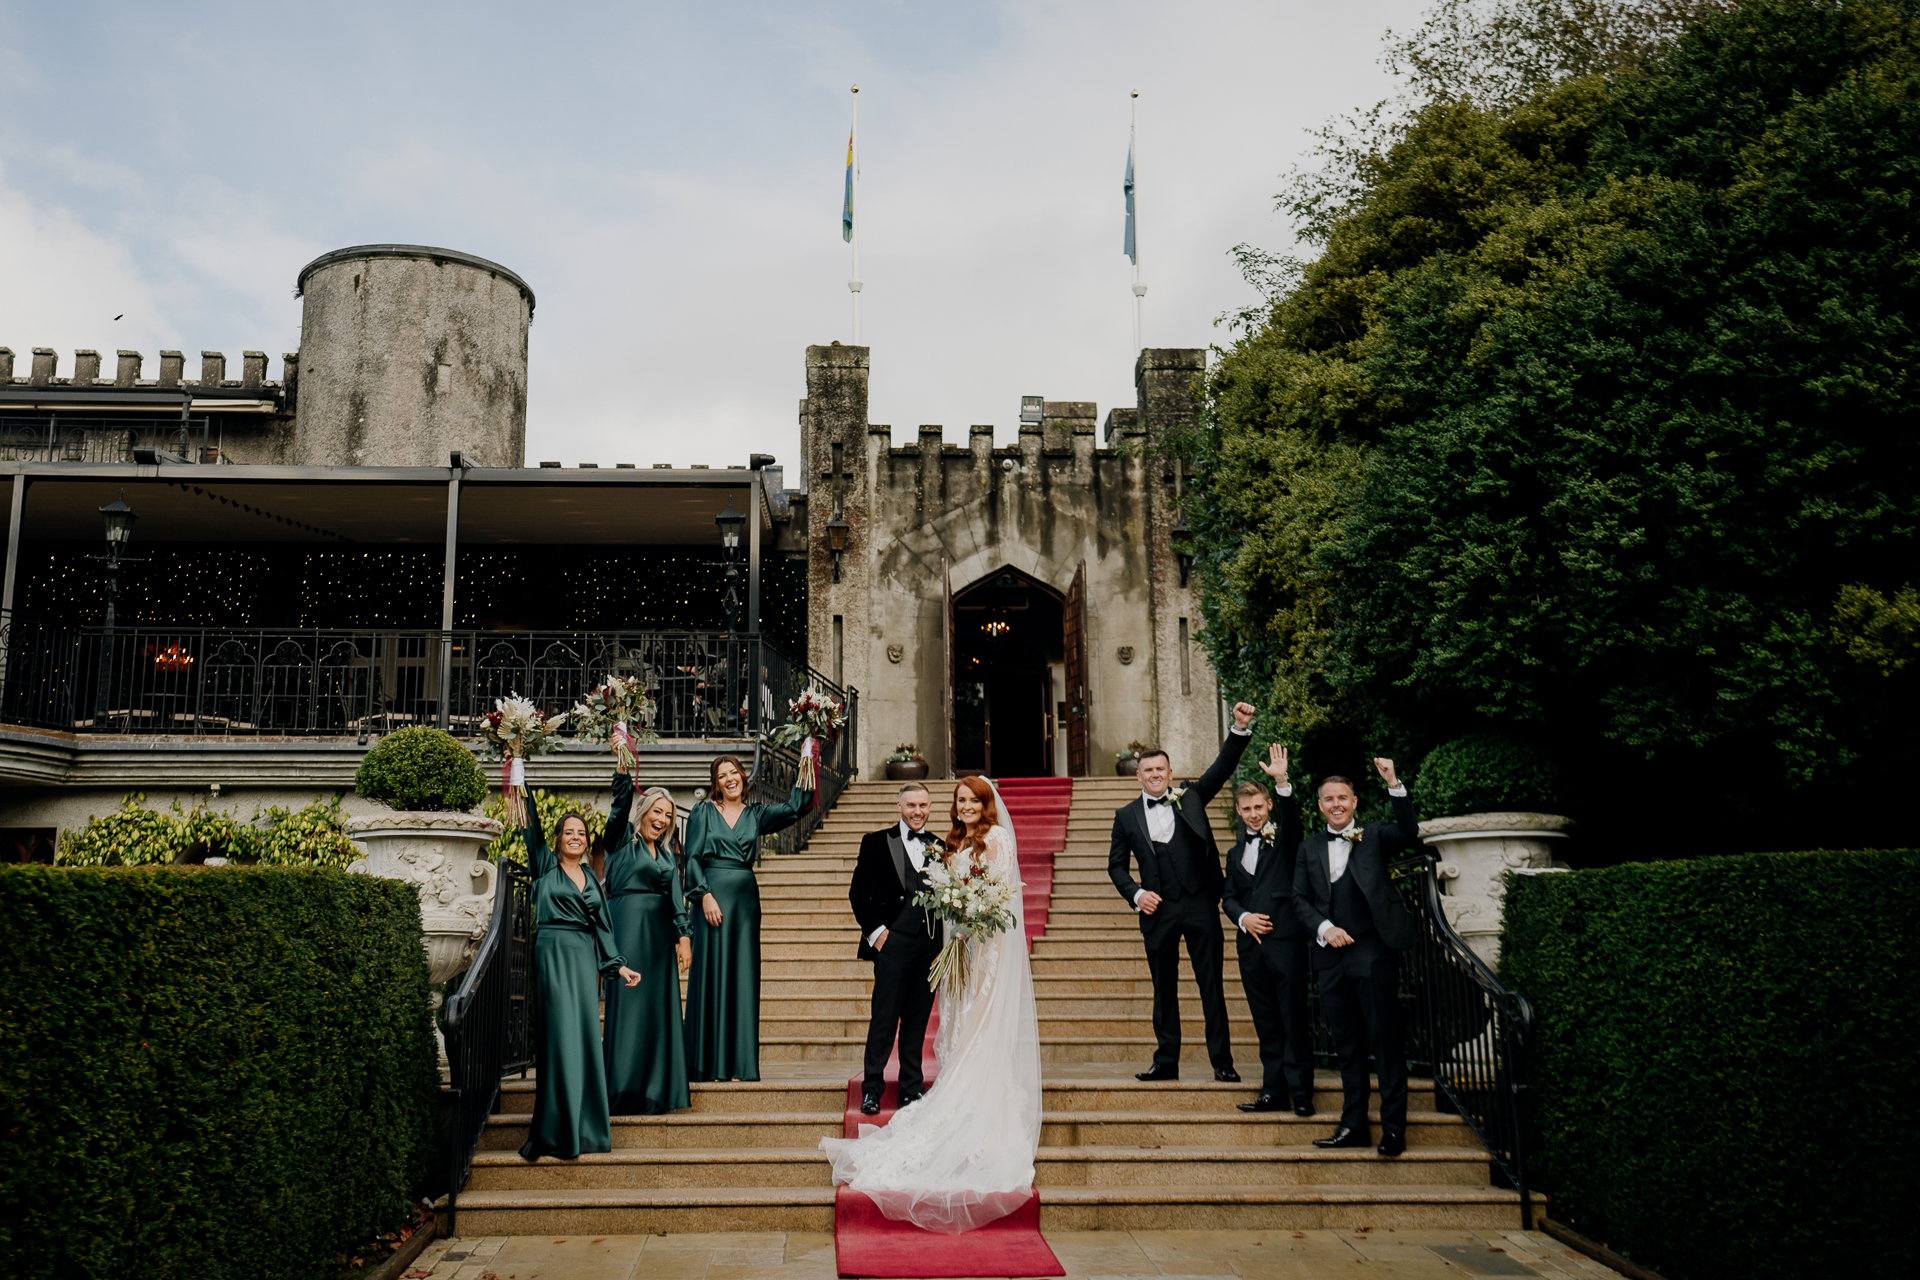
{"x": 127, "y": 374}
{"x": 45, "y": 362}
{"x": 1031, "y": 442}
{"x": 6, "y": 364}
{"x": 838, "y": 446}
{"x": 1122, "y": 425}
{"x": 86, "y": 367}
{"x": 980, "y": 445}
{"x": 213, "y": 368}
{"x": 1059, "y": 419}
{"x": 933, "y": 488}
{"x": 253, "y": 365}
{"x": 1185, "y": 694}
{"x": 173, "y": 368}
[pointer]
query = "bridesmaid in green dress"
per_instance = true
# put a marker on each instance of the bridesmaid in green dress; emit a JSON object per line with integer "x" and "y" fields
{"x": 646, "y": 1061}
{"x": 723, "y": 994}
{"x": 572, "y": 948}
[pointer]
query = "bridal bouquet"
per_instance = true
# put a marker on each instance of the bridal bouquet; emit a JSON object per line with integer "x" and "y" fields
{"x": 812, "y": 716}
{"x": 515, "y": 730}
{"x": 618, "y": 711}
{"x": 976, "y": 902}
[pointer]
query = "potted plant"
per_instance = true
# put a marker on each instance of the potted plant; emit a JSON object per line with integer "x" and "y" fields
{"x": 426, "y": 836}
{"x": 906, "y": 764}
{"x": 1127, "y": 763}
{"x": 1492, "y": 797}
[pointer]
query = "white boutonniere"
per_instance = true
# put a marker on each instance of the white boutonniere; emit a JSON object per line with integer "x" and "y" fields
{"x": 1267, "y": 832}
{"x": 1352, "y": 834}
{"x": 1174, "y": 793}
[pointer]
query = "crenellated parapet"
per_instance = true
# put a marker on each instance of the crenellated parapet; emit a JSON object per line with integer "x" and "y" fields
{"x": 44, "y": 371}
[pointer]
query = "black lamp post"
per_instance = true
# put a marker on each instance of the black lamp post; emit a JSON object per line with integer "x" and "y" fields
{"x": 837, "y": 531}
{"x": 1182, "y": 542}
{"x": 118, "y": 519}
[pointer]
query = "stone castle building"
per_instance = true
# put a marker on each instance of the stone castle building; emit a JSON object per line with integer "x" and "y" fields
{"x": 361, "y": 545}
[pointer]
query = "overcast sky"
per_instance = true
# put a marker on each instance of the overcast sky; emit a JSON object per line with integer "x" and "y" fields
{"x": 667, "y": 178}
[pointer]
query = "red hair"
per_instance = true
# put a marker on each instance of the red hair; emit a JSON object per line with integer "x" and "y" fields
{"x": 957, "y": 839}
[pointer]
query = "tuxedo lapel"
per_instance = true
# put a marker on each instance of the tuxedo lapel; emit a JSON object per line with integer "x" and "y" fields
{"x": 898, "y": 848}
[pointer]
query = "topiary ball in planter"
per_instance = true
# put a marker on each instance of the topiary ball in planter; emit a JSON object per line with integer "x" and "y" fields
{"x": 419, "y": 770}
{"x": 1487, "y": 773}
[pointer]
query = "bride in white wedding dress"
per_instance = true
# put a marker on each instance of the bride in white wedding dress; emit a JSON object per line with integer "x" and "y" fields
{"x": 962, "y": 1156}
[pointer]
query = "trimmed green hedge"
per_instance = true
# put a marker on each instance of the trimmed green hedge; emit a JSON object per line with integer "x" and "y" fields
{"x": 207, "y": 1072}
{"x": 1722, "y": 1076}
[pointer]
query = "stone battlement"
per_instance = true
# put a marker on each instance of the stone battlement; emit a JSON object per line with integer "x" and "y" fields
{"x": 44, "y": 370}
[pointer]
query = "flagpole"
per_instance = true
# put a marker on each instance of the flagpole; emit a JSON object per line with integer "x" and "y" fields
{"x": 1139, "y": 290}
{"x": 853, "y": 202}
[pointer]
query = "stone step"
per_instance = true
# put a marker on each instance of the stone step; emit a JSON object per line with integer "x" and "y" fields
{"x": 642, "y": 1211}
{"x": 645, "y": 1170}
{"x": 1143, "y": 1128}
{"x": 825, "y": 1097}
{"x": 690, "y": 1129}
{"x": 1303, "y": 1207}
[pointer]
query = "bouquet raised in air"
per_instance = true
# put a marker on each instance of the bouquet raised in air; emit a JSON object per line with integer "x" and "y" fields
{"x": 811, "y": 716}
{"x": 515, "y": 730}
{"x": 620, "y": 712}
{"x": 975, "y": 902}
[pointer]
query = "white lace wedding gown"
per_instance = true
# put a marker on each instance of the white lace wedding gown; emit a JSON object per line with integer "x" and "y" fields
{"x": 962, "y": 1156}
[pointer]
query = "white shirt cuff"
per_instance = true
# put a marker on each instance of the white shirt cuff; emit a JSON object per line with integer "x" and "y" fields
{"x": 1321, "y": 932}
{"x": 1235, "y": 728}
{"x": 1397, "y": 791}
{"x": 1242, "y": 921}
{"x": 875, "y": 935}
{"x": 1136, "y": 898}
{"x": 1286, "y": 790}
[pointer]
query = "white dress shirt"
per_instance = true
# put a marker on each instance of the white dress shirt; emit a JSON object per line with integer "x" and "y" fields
{"x": 915, "y": 842}
{"x": 1160, "y": 817}
{"x": 1250, "y": 856}
{"x": 1339, "y": 849}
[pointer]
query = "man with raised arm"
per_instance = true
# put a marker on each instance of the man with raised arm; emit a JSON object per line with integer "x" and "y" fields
{"x": 1168, "y": 838}
{"x": 1359, "y": 927}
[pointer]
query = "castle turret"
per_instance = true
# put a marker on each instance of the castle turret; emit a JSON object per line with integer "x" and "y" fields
{"x": 408, "y": 353}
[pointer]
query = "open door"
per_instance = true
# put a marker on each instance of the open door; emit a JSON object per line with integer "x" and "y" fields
{"x": 946, "y": 656}
{"x": 1074, "y": 629}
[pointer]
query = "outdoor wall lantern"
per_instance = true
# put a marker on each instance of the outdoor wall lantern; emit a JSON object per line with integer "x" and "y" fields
{"x": 837, "y": 531}
{"x": 1182, "y": 542}
{"x": 731, "y": 522}
{"x": 118, "y": 518}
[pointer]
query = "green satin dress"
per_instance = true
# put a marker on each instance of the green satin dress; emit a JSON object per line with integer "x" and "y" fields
{"x": 723, "y": 991}
{"x": 646, "y": 1059}
{"x": 573, "y": 947}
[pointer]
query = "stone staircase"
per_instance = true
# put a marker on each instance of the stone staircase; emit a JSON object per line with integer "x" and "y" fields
{"x": 1114, "y": 1153}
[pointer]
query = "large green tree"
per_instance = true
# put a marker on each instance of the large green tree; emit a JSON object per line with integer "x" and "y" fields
{"x": 1592, "y": 423}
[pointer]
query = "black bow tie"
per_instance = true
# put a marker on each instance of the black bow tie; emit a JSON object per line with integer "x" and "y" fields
{"x": 1158, "y": 800}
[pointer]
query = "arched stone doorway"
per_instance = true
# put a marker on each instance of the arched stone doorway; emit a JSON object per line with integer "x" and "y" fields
{"x": 1008, "y": 677}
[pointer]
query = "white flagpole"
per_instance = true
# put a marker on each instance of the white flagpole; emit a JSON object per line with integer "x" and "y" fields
{"x": 853, "y": 281}
{"x": 1139, "y": 290}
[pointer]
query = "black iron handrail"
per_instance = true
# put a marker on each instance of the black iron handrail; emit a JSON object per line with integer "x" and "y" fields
{"x": 488, "y": 1023}
{"x": 1466, "y": 1030}
{"x": 339, "y": 682}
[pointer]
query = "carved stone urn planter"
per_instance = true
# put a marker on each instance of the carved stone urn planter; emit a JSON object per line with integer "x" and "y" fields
{"x": 442, "y": 856}
{"x": 1476, "y": 850}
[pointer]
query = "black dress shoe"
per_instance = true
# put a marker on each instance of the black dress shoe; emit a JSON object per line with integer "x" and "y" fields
{"x": 908, "y": 1099}
{"x": 1227, "y": 1075}
{"x": 1344, "y": 1137}
{"x": 1265, "y": 1102}
{"x": 1392, "y": 1143}
{"x": 1157, "y": 1072}
{"x": 1303, "y": 1106}
{"x": 869, "y": 1104}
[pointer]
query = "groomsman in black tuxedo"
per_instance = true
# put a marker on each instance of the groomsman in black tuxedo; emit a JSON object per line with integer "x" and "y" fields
{"x": 901, "y": 940}
{"x": 1359, "y": 926}
{"x": 1169, "y": 839}
{"x": 1271, "y": 940}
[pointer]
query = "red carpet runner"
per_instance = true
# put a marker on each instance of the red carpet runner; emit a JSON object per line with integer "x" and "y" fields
{"x": 865, "y": 1242}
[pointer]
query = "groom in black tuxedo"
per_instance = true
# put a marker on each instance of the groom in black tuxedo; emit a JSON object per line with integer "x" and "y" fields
{"x": 1271, "y": 941}
{"x": 1169, "y": 839}
{"x": 901, "y": 940}
{"x": 1360, "y": 926}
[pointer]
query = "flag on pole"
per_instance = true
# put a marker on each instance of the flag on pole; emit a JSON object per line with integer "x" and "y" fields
{"x": 1129, "y": 248}
{"x": 846, "y": 204}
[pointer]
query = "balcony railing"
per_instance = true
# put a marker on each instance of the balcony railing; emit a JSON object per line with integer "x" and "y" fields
{"x": 59, "y": 437}
{"x": 206, "y": 681}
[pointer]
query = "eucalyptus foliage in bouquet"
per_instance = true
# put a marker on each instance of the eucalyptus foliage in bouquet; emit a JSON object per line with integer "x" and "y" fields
{"x": 811, "y": 716}
{"x": 516, "y": 730}
{"x": 975, "y": 902}
{"x": 620, "y": 712}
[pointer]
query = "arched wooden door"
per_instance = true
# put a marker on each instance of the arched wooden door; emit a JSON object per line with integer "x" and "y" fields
{"x": 1078, "y": 704}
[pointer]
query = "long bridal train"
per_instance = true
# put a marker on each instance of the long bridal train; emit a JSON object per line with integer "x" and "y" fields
{"x": 962, "y": 1156}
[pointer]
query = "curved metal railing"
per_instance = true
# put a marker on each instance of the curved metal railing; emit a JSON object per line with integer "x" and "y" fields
{"x": 488, "y": 1023}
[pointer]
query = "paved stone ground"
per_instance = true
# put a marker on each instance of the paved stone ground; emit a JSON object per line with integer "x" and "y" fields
{"x": 1087, "y": 1255}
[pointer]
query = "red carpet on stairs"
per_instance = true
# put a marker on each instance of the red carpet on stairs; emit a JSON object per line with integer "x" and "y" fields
{"x": 866, "y": 1242}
